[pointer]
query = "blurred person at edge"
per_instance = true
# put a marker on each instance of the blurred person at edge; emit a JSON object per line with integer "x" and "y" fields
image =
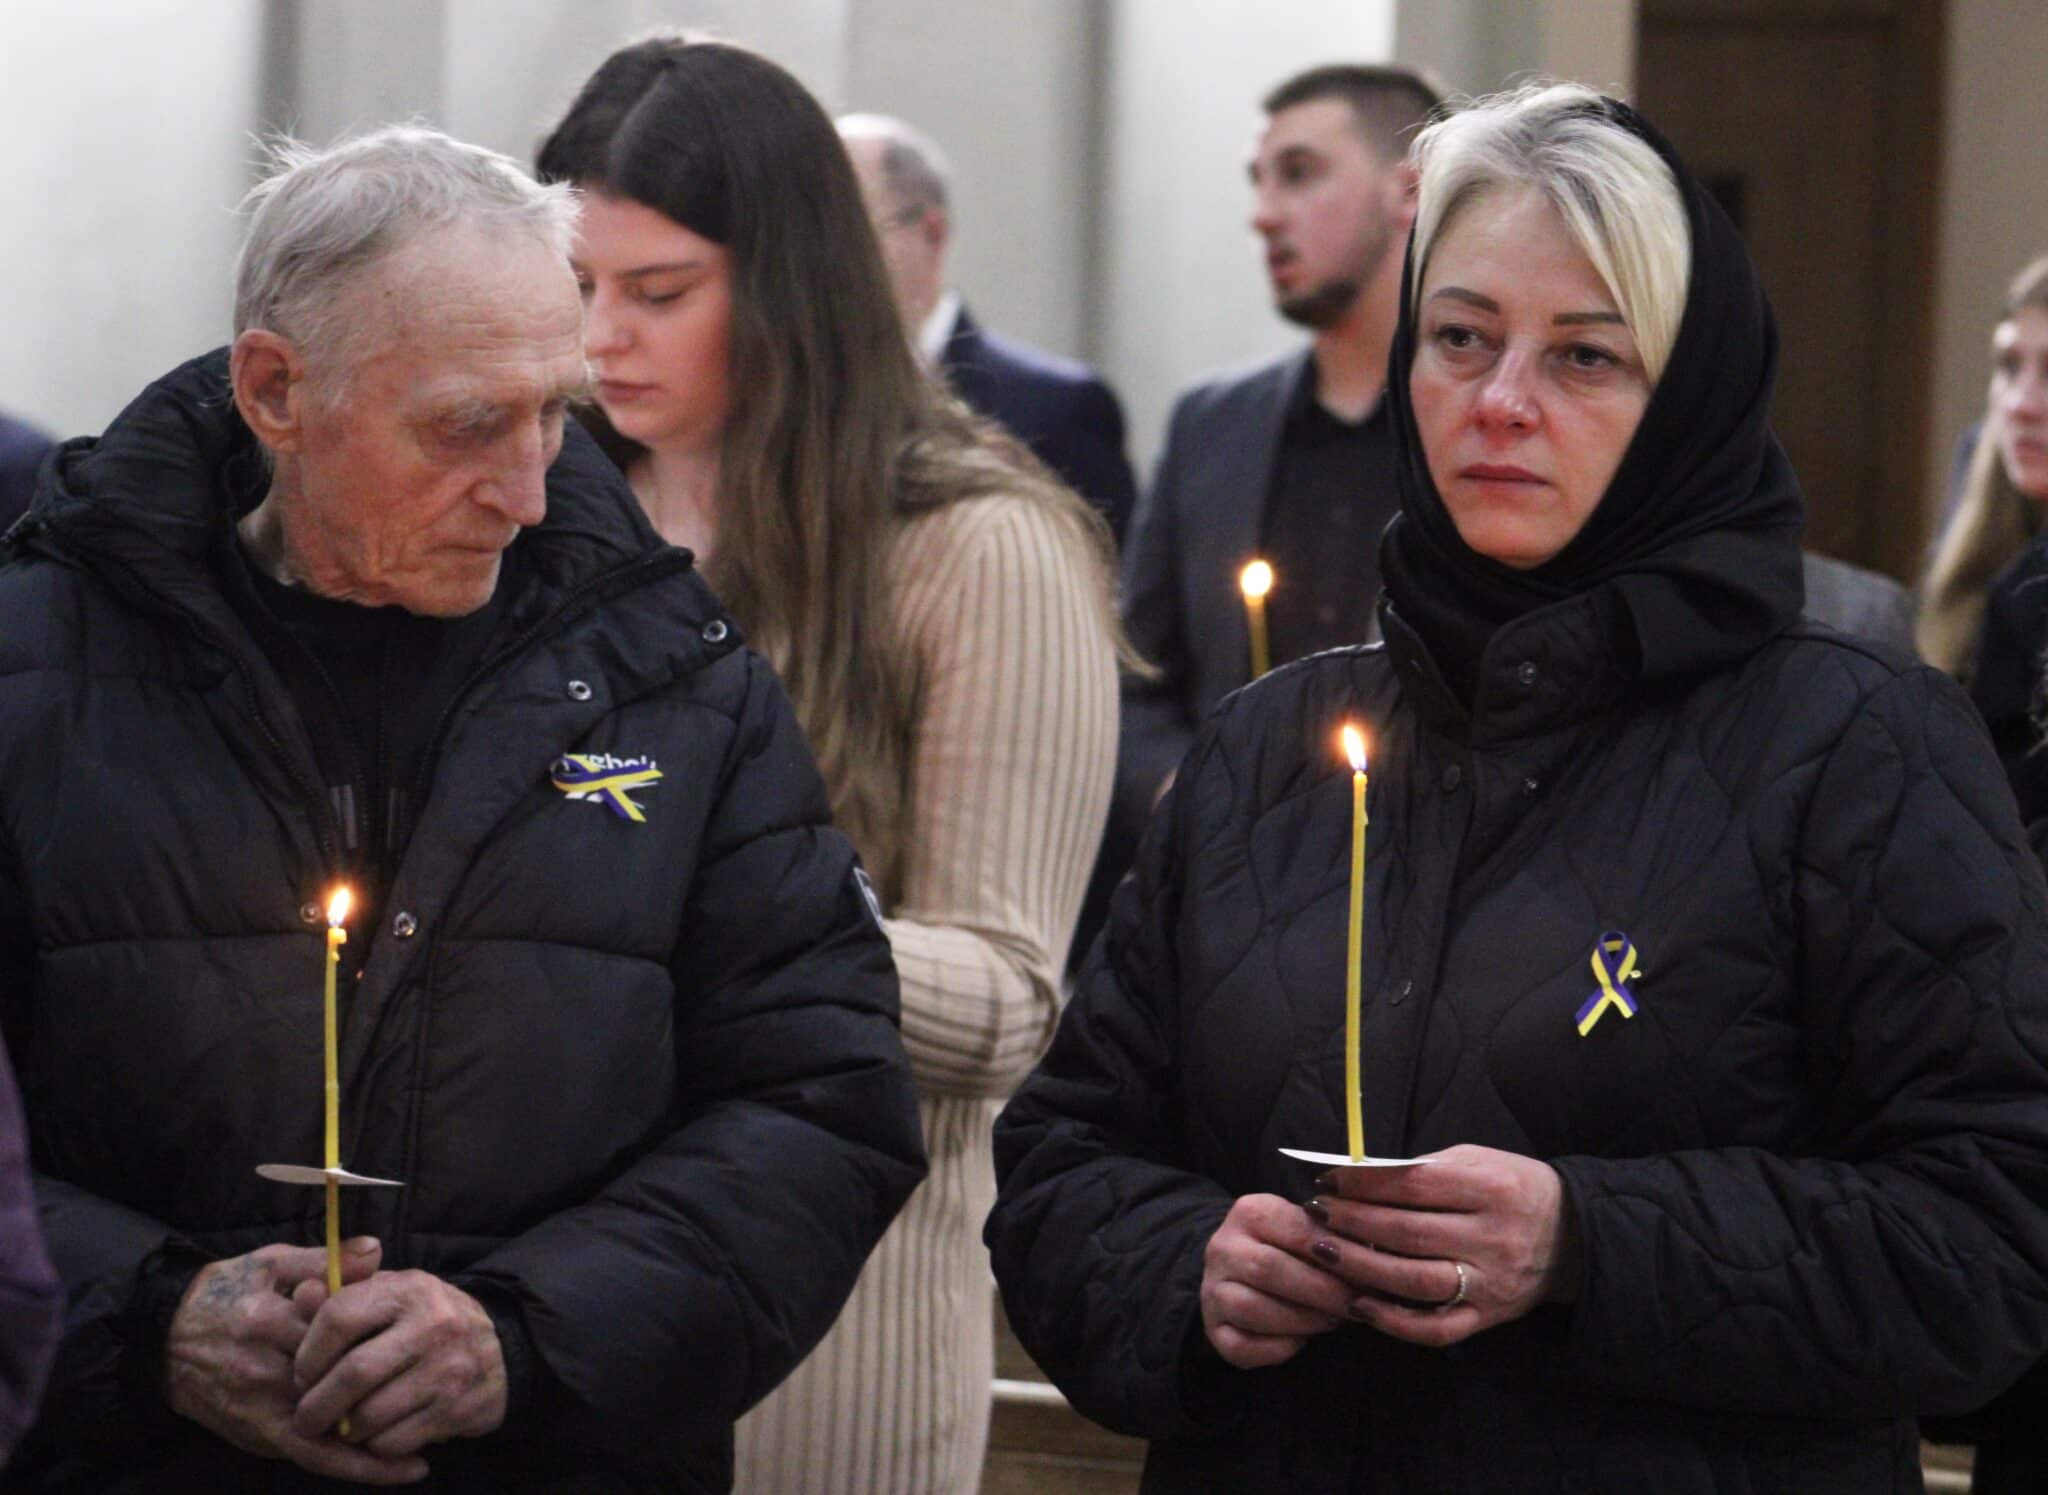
{"x": 1062, "y": 410}
{"x": 332, "y": 605}
{"x": 22, "y": 449}
{"x": 1998, "y": 511}
{"x": 2012, "y": 691}
{"x": 2008, "y": 475}
{"x": 31, "y": 1298}
{"x": 940, "y": 609}
{"x": 1705, "y": 964}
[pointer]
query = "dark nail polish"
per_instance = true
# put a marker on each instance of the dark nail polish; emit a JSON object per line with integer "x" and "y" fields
{"x": 1318, "y": 1211}
{"x": 1324, "y": 1252}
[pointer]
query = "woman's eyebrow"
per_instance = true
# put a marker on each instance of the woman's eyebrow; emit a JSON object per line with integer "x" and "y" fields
{"x": 1469, "y": 298}
{"x": 1584, "y": 318}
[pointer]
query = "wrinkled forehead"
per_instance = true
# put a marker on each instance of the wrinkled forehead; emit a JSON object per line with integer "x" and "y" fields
{"x": 503, "y": 311}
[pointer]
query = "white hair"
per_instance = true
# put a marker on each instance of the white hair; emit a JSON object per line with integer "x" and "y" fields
{"x": 324, "y": 218}
{"x": 914, "y": 167}
{"x": 1617, "y": 196}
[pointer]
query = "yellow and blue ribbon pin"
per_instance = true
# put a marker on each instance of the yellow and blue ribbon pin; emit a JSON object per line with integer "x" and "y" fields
{"x": 602, "y": 777}
{"x": 1614, "y": 980}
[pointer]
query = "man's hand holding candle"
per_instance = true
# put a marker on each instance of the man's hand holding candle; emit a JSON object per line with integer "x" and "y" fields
{"x": 411, "y": 1360}
{"x": 229, "y": 1354}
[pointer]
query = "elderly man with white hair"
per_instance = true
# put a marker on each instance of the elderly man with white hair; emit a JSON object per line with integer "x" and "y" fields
{"x": 354, "y": 603}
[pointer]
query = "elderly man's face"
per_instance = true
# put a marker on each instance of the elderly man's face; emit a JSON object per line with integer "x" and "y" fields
{"x": 408, "y": 488}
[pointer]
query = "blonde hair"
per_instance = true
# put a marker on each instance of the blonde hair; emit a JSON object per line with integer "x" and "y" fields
{"x": 1617, "y": 196}
{"x": 1992, "y": 523}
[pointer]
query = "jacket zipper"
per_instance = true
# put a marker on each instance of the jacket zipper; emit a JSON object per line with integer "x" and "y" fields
{"x": 645, "y": 570}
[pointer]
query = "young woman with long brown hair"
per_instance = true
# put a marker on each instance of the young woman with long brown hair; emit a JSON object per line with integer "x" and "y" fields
{"x": 939, "y": 609}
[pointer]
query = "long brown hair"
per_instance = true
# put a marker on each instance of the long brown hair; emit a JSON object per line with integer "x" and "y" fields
{"x": 835, "y": 435}
{"x": 1992, "y": 524}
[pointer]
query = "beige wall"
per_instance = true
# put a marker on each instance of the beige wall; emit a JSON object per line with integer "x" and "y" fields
{"x": 1007, "y": 88}
{"x": 1994, "y": 212}
{"x": 1476, "y": 46}
{"x": 507, "y": 69}
{"x": 120, "y": 234}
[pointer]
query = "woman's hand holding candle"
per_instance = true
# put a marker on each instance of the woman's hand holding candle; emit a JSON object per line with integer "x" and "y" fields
{"x": 1491, "y": 1224}
{"x": 1263, "y": 1295}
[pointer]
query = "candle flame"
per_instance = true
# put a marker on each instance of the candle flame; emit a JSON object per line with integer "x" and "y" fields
{"x": 1354, "y": 747}
{"x": 1256, "y": 580}
{"x": 337, "y": 908}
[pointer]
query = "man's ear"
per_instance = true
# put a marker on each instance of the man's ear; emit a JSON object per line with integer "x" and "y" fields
{"x": 269, "y": 380}
{"x": 1406, "y": 181}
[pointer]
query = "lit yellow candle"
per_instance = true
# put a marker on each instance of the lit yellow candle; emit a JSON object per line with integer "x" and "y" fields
{"x": 337, "y": 915}
{"x": 1354, "y": 1105}
{"x": 1255, "y": 581}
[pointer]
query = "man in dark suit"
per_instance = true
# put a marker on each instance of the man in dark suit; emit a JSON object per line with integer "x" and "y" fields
{"x": 1290, "y": 462}
{"x": 1061, "y": 409}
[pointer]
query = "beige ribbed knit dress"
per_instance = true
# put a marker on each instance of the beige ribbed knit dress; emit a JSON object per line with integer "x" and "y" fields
{"x": 1010, "y": 778}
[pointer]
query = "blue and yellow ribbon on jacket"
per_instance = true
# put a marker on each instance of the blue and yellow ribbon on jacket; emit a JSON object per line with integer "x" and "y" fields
{"x": 592, "y": 778}
{"x": 1613, "y": 990}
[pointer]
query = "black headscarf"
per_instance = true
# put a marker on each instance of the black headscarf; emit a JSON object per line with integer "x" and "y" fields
{"x": 1697, "y": 536}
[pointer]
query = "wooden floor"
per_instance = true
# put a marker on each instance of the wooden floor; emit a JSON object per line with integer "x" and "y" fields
{"x": 1038, "y": 1445}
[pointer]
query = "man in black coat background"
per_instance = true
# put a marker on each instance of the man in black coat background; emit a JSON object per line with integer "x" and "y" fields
{"x": 1059, "y": 408}
{"x": 353, "y": 603}
{"x": 1289, "y": 460}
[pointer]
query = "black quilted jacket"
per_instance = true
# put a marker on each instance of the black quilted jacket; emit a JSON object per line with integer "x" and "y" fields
{"x": 1809, "y": 1174}
{"x": 641, "y": 1079}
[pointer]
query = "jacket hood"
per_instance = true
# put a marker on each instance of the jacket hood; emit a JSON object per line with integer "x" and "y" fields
{"x": 156, "y": 493}
{"x": 1694, "y": 549}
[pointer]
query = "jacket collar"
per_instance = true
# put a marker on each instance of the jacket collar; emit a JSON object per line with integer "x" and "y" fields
{"x": 1546, "y": 670}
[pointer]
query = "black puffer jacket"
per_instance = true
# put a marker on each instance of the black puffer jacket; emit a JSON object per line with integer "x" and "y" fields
{"x": 1808, "y": 1174}
{"x": 641, "y": 1079}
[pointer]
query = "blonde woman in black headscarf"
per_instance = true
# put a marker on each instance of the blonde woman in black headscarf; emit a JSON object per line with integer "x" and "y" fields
{"x": 1702, "y": 963}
